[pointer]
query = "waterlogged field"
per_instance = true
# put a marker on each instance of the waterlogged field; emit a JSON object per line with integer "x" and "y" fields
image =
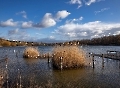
{"x": 35, "y": 73}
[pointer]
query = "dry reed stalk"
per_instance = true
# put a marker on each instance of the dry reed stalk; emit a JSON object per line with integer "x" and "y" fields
{"x": 68, "y": 56}
{"x": 31, "y": 52}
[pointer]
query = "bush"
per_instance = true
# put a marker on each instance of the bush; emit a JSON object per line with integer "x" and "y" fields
{"x": 68, "y": 57}
{"x": 31, "y": 52}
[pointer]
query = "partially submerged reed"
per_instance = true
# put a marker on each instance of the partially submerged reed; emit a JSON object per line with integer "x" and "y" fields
{"x": 31, "y": 52}
{"x": 68, "y": 57}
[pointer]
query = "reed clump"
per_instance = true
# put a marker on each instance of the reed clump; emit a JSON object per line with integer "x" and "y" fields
{"x": 67, "y": 57}
{"x": 31, "y": 52}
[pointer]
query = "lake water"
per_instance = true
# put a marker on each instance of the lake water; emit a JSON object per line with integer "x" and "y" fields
{"x": 38, "y": 73}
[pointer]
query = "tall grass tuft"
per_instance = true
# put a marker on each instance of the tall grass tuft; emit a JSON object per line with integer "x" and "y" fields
{"x": 68, "y": 57}
{"x": 31, "y": 52}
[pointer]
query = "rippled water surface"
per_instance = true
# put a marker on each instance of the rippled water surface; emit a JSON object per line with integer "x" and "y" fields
{"x": 37, "y": 72}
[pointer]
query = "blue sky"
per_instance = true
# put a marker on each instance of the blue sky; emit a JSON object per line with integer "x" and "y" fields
{"x": 58, "y": 20}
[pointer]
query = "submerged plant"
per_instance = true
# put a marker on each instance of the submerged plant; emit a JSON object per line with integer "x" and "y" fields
{"x": 31, "y": 52}
{"x": 68, "y": 57}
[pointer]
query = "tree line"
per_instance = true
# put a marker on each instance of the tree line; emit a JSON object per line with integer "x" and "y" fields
{"x": 106, "y": 40}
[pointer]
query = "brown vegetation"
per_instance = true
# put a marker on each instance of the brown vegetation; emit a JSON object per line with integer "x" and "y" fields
{"x": 6, "y": 43}
{"x": 68, "y": 57}
{"x": 13, "y": 44}
{"x": 31, "y": 52}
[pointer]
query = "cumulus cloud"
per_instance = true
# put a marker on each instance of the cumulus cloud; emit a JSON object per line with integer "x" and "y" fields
{"x": 49, "y": 20}
{"x": 62, "y": 14}
{"x": 23, "y": 13}
{"x": 28, "y": 24}
{"x": 9, "y": 22}
{"x": 102, "y": 10}
{"x": 86, "y": 30}
{"x": 78, "y": 2}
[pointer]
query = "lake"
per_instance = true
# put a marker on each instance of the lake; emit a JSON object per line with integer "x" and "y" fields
{"x": 35, "y": 73}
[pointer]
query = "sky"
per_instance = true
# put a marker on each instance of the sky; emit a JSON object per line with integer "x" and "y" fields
{"x": 58, "y": 20}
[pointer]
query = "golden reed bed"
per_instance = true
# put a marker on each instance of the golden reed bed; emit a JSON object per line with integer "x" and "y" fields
{"x": 68, "y": 57}
{"x": 31, "y": 52}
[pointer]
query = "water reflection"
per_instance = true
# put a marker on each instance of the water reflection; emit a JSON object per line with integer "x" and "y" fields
{"x": 31, "y": 61}
{"x": 68, "y": 77}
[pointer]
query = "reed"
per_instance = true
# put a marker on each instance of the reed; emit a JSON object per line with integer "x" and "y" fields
{"x": 31, "y": 52}
{"x": 68, "y": 57}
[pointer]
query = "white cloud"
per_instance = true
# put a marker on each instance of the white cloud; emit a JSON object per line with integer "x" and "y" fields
{"x": 117, "y": 32}
{"x": 62, "y": 14}
{"x": 83, "y": 34}
{"x": 89, "y": 2}
{"x": 49, "y": 21}
{"x": 86, "y": 30}
{"x": 102, "y": 10}
{"x": 74, "y": 20}
{"x": 9, "y": 22}
{"x": 81, "y": 18}
{"x": 78, "y": 2}
{"x": 52, "y": 37}
{"x": 81, "y": 2}
{"x": 23, "y": 13}
{"x": 27, "y": 24}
